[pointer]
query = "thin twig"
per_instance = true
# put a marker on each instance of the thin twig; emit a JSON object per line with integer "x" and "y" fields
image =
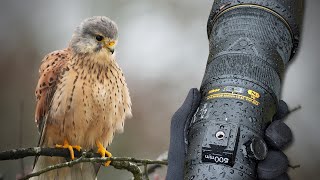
{"x": 294, "y": 166}
{"x": 294, "y": 109}
{"x": 290, "y": 111}
{"x": 21, "y": 111}
{"x": 146, "y": 171}
{"x": 52, "y": 167}
{"x": 152, "y": 168}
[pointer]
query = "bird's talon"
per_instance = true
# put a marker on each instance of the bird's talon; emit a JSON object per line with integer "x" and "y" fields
{"x": 103, "y": 152}
{"x": 108, "y": 153}
{"x": 66, "y": 145}
{"x": 59, "y": 146}
{"x": 78, "y": 148}
{"x": 107, "y": 163}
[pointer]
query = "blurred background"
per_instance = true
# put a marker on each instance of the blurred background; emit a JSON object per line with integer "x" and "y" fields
{"x": 163, "y": 50}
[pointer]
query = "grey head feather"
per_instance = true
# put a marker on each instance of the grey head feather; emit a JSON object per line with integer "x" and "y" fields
{"x": 83, "y": 39}
{"x": 100, "y": 25}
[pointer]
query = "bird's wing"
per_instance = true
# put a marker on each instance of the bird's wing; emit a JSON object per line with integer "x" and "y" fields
{"x": 52, "y": 67}
{"x": 50, "y": 70}
{"x": 49, "y": 74}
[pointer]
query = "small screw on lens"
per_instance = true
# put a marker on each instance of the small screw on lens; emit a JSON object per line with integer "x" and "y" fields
{"x": 220, "y": 135}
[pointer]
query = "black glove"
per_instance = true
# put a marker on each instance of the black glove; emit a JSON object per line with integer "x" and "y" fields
{"x": 278, "y": 135}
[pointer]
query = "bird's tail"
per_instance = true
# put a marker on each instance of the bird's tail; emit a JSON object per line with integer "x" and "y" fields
{"x": 82, "y": 171}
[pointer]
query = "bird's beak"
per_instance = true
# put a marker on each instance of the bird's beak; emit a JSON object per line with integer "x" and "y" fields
{"x": 111, "y": 50}
{"x": 110, "y": 46}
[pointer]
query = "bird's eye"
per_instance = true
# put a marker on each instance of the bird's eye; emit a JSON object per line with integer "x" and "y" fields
{"x": 99, "y": 38}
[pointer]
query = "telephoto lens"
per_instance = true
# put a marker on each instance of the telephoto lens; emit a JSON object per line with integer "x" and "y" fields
{"x": 250, "y": 44}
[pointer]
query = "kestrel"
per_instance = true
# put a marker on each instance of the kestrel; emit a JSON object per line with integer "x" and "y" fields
{"x": 82, "y": 98}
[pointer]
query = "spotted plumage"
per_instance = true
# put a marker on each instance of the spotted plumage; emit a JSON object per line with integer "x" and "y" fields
{"x": 82, "y": 96}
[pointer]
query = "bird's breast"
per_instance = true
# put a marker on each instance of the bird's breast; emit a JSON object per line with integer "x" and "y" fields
{"x": 90, "y": 104}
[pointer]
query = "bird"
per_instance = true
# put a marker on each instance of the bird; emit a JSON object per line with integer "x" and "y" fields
{"x": 82, "y": 99}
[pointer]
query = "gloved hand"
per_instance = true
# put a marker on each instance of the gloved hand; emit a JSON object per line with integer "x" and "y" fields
{"x": 277, "y": 136}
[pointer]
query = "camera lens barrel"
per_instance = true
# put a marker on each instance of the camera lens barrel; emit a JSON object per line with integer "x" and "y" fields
{"x": 250, "y": 44}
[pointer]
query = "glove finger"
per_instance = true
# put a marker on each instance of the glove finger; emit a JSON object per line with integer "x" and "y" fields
{"x": 176, "y": 154}
{"x": 273, "y": 166}
{"x": 282, "y": 111}
{"x": 278, "y": 135}
{"x": 187, "y": 109}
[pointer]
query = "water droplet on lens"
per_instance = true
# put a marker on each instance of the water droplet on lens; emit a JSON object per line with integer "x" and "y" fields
{"x": 250, "y": 119}
{"x": 239, "y": 103}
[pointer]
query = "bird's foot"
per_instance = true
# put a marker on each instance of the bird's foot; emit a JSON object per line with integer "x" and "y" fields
{"x": 66, "y": 145}
{"x": 103, "y": 151}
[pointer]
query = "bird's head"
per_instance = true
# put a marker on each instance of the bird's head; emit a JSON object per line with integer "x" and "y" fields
{"x": 95, "y": 36}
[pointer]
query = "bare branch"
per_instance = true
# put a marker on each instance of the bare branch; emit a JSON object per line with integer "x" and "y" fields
{"x": 132, "y": 167}
{"x": 152, "y": 168}
{"x": 35, "y": 151}
{"x": 128, "y": 163}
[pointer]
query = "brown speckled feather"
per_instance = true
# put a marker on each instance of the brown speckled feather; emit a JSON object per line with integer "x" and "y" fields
{"x": 49, "y": 72}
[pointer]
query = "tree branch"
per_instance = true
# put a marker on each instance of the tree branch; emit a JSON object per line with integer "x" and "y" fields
{"x": 152, "y": 168}
{"x": 128, "y": 163}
